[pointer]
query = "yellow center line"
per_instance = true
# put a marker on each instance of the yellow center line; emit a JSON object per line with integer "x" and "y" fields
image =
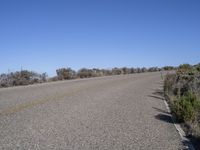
{"x": 58, "y": 97}
{"x": 33, "y": 103}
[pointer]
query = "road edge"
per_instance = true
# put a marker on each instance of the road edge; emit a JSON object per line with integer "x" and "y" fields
{"x": 186, "y": 142}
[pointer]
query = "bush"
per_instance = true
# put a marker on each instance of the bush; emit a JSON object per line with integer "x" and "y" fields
{"x": 85, "y": 73}
{"x": 186, "y": 107}
{"x": 23, "y": 77}
{"x": 169, "y": 83}
{"x": 183, "y": 90}
{"x": 197, "y": 67}
{"x": 117, "y": 71}
{"x": 65, "y": 73}
{"x": 168, "y": 68}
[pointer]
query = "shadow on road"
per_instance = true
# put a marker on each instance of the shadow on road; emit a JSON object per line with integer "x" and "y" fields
{"x": 164, "y": 117}
{"x": 158, "y": 94}
{"x": 157, "y": 97}
{"x": 168, "y": 118}
{"x": 160, "y": 110}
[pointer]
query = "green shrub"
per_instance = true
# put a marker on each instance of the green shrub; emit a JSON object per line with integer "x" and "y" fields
{"x": 197, "y": 67}
{"x": 168, "y": 68}
{"x": 186, "y": 107}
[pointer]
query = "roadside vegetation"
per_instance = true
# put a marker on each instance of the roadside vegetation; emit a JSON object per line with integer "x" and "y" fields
{"x": 183, "y": 91}
{"x": 25, "y": 77}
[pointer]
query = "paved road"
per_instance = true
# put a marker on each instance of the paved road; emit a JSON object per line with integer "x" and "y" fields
{"x": 108, "y": 113}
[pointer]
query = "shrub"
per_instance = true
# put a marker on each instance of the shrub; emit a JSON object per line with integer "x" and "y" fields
{"x": 153, "y": 69}
{"x": 168, "y": 68}
{"x": 85, "y": 73}
{"x": 117, "y": 71}
{"x": 186, "y": 107}
{"x": 65, "y": 73}
{"x": 183, "y": 90}
{"x": 169, "y": 83}
{"x": 197, "y": 67}
{"x": 23, "y": 77}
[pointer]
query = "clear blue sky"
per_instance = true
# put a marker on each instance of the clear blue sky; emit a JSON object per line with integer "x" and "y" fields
{"x": 43, "y": 35}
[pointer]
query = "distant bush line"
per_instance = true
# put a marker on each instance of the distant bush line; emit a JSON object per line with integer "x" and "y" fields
{"x": 25, "y": 77}
{"x": 183, "y": 90}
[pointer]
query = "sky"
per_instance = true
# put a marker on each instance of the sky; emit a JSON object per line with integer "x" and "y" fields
{"x": 44, "y": 35}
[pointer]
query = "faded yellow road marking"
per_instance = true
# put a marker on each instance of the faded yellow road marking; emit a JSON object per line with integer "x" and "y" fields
{"x": 33, "y": 103}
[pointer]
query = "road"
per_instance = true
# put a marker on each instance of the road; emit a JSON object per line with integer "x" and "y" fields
{"x": 107, "y": 113}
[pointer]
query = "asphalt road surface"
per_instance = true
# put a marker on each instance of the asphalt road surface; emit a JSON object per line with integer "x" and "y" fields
{"x": 108, "y": 113}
